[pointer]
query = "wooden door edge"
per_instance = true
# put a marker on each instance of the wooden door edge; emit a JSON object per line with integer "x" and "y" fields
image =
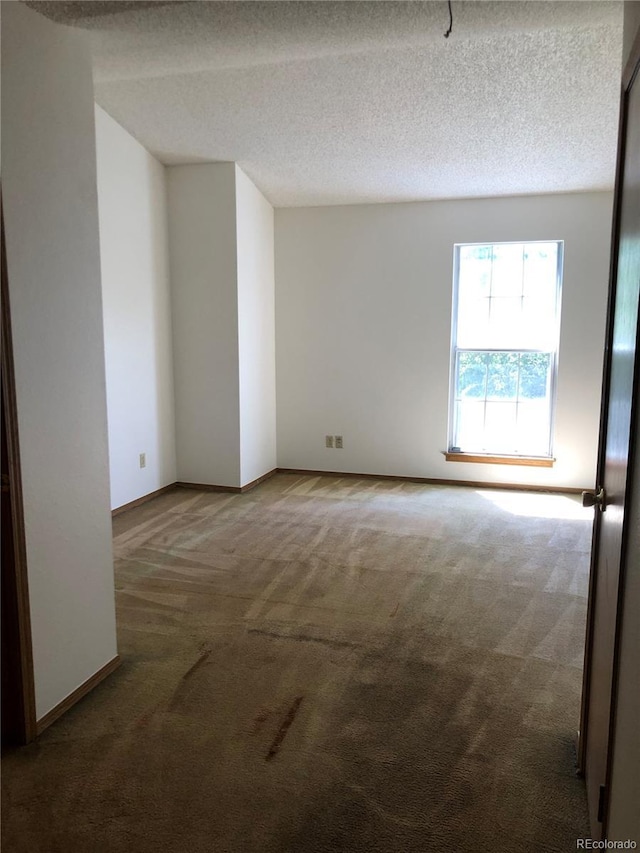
{"x": 630, "y": 72}
{"x": 604, "y": 391}
{"x": 622, "y": 579}
{"x": 25, "y": 664}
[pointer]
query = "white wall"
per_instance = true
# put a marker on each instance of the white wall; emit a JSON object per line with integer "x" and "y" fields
{"x": 624, "y": 817}
{"x": 363, "y": 318}
{"x": 51, "y": 217}
{"x": 203, "y": 264}
{"x": 256, "y": 330}
{"x": 137, "y": 313}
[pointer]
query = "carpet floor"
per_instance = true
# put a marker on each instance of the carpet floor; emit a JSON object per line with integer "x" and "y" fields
{"x": 326, "y": 664}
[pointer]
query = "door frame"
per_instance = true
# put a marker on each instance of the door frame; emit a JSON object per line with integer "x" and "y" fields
{"x": 16, "y": 609}
{"x": 630, "y": 72}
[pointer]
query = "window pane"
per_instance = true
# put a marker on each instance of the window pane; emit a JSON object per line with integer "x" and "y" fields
{"x": 469, "y": 425}
{"x": 533, "y": 428}
{"x": 540, "y": 269}
{"x": 534, "y": 376}
{"x": 505, "y": 323}
{"x": 506, "y": 273}
{"x": 473, "y": 323}
{"x": 539, "y": 326}
{"x": 502, "y": 381}
{"x": 500, "y": 428}
{"x": 474, "y": 274}
{"x": 472, "y": 373}
{"x": 503, "y": 403}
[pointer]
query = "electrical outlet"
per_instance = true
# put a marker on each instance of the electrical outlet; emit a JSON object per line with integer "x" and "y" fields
{"x": 339, "y": 442}
{"x": 328, "y": 441}
{"x": 143, "y": 460}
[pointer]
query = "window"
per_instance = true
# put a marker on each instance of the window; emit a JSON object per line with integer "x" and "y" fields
{"x": 506, "y": 310}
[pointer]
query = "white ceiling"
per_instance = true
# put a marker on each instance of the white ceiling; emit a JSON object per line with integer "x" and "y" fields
{"x": 349, "y": 102}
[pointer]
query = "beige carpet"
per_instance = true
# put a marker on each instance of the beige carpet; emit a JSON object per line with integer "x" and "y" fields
{"x": 326, "y": 664}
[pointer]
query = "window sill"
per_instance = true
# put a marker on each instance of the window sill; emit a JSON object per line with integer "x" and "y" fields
{"x": 487, "y": 458}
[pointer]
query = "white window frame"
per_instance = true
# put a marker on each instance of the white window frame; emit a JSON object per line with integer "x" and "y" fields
{"x": 455, "y": 350}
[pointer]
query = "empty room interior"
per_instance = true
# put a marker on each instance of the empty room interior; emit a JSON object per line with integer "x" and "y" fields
{"x": 320, "y": 505}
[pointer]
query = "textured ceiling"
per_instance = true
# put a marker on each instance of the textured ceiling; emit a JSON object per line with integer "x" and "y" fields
{"x": 347, "y": 102}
